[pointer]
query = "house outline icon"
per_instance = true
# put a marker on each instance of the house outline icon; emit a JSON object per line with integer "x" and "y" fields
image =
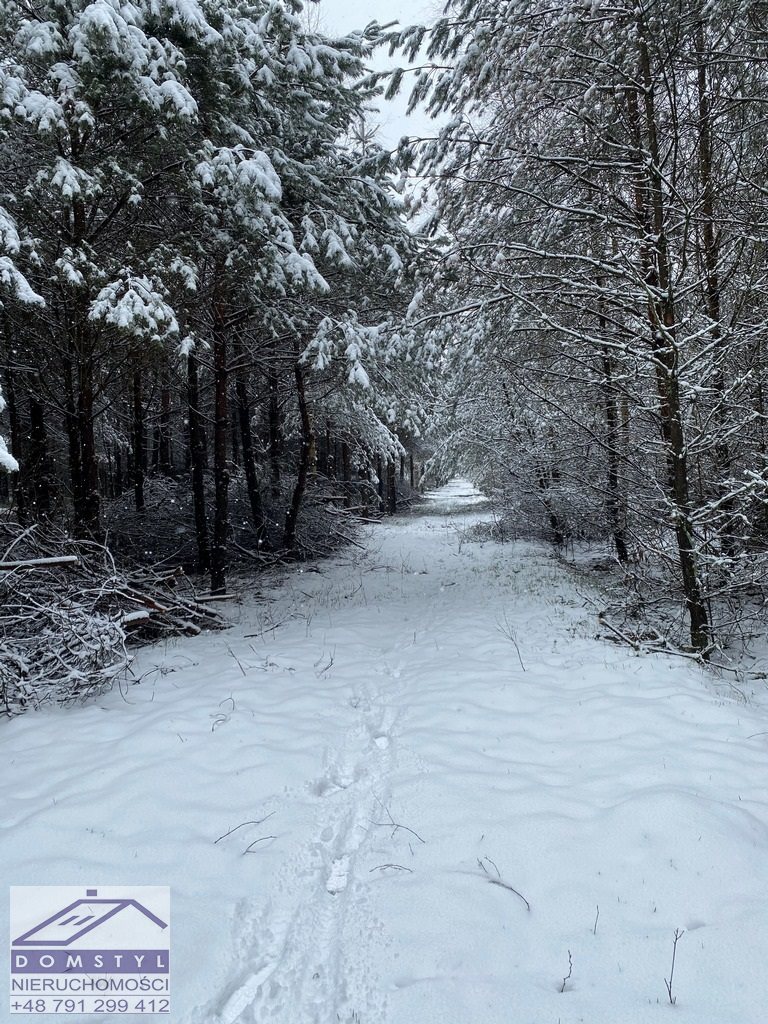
{"x": 80, "y": 924}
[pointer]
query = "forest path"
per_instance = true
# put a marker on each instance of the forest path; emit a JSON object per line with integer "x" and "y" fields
{"x": 319, "y": 964}
{"x": 331, "y": 786}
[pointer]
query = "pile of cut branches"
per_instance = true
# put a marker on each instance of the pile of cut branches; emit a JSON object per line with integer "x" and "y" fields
{"x": 68, "y": 615}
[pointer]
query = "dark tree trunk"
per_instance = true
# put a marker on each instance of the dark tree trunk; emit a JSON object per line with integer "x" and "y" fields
{"x": 197, "y": 464}
{"x": 40, "y": 474}
{"x": 14, "y": 419}
{"x": 118, "y": 471}
{"x": 220, "y": 464}
{"x": 155, "y": 448}
{"x": 164, "y": 440}
{"x": 330, "y": 452}
{"x": 615, "y": 503}
{"x": 88, "y": 507}
{"x": 380, "y": 487}
{"x": 410, "y": 467}
{"x": 346, "y": 473}
{"x": 712, "y": 300}
{"x": 649, "y": 200}
{"x": 235, "y": 438}
{"x": 249, "y": 458}
{"x": 73, "y": 437}
{"x": 139, "y": 445}
{"x": 547, "y": 476}
{"x": 305, "y": 458}
{"x": 614, "y": 499}
{"x": 325, "y": 457}
{"x": 80, "y": 396}
{"x": 275, "y": 438}
{"x": 391, "y": 488}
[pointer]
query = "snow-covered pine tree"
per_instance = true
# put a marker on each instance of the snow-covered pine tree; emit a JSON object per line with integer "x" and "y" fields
{"x": 290, "y": 217}
{"x": 14, "y": 287}
{"x": 97, "y": 99}
{"x": 355, "y": 356}
{"x": 182, "y": 168}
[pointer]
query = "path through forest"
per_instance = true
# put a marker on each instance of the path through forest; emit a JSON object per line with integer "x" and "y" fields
{"x": 452, "y": 787}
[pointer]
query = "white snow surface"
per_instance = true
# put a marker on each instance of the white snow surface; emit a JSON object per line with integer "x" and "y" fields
{"x": 402, "y": 759}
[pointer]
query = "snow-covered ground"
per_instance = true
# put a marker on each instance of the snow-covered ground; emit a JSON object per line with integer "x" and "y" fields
{"x": 421, "y": 728}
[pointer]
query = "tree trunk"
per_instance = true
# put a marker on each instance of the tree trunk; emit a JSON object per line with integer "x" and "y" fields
{"x": 220, "y": 466}
{"x": 88, "y": 507}
{"x": 249, "y": 458}
{"x": 82, "y": 437}
{"x": 391, "y": 488}
{"x": 545, "y": 479}
{"x": 165, "y": 459}
{"x": 139, "y": 443}
{"x": 614, "y": 499}
{"x": 305, "y": 458}
{"x": 73, "y": 438}
{"x": 275, "y": 437}
{"x": 118, "y": 471}
{"x": 329, "y": 469}
{"x": 154, "y": 448}
{"x": 235, "y": 437}
{"x": 661, "y": 311}
{"x": 40, "y": 474}
{"x": 14, "y": 419}
{"x": 346, "y": 472}
{"x": 381, "y": 484}
{"x": 615, "y": 504}
{"x": 711, "y": 261}
{"x": 197, "y": 464}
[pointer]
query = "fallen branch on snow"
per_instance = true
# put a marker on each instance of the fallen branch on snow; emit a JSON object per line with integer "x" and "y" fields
{"x": 67, "y": 620}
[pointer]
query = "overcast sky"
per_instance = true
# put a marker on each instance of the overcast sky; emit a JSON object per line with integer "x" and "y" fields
{"x": 340, "y": 16}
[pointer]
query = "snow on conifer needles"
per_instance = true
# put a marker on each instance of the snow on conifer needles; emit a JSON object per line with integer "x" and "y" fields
{"x": 597, "y": 290}
{"x": 204, "y": 264}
